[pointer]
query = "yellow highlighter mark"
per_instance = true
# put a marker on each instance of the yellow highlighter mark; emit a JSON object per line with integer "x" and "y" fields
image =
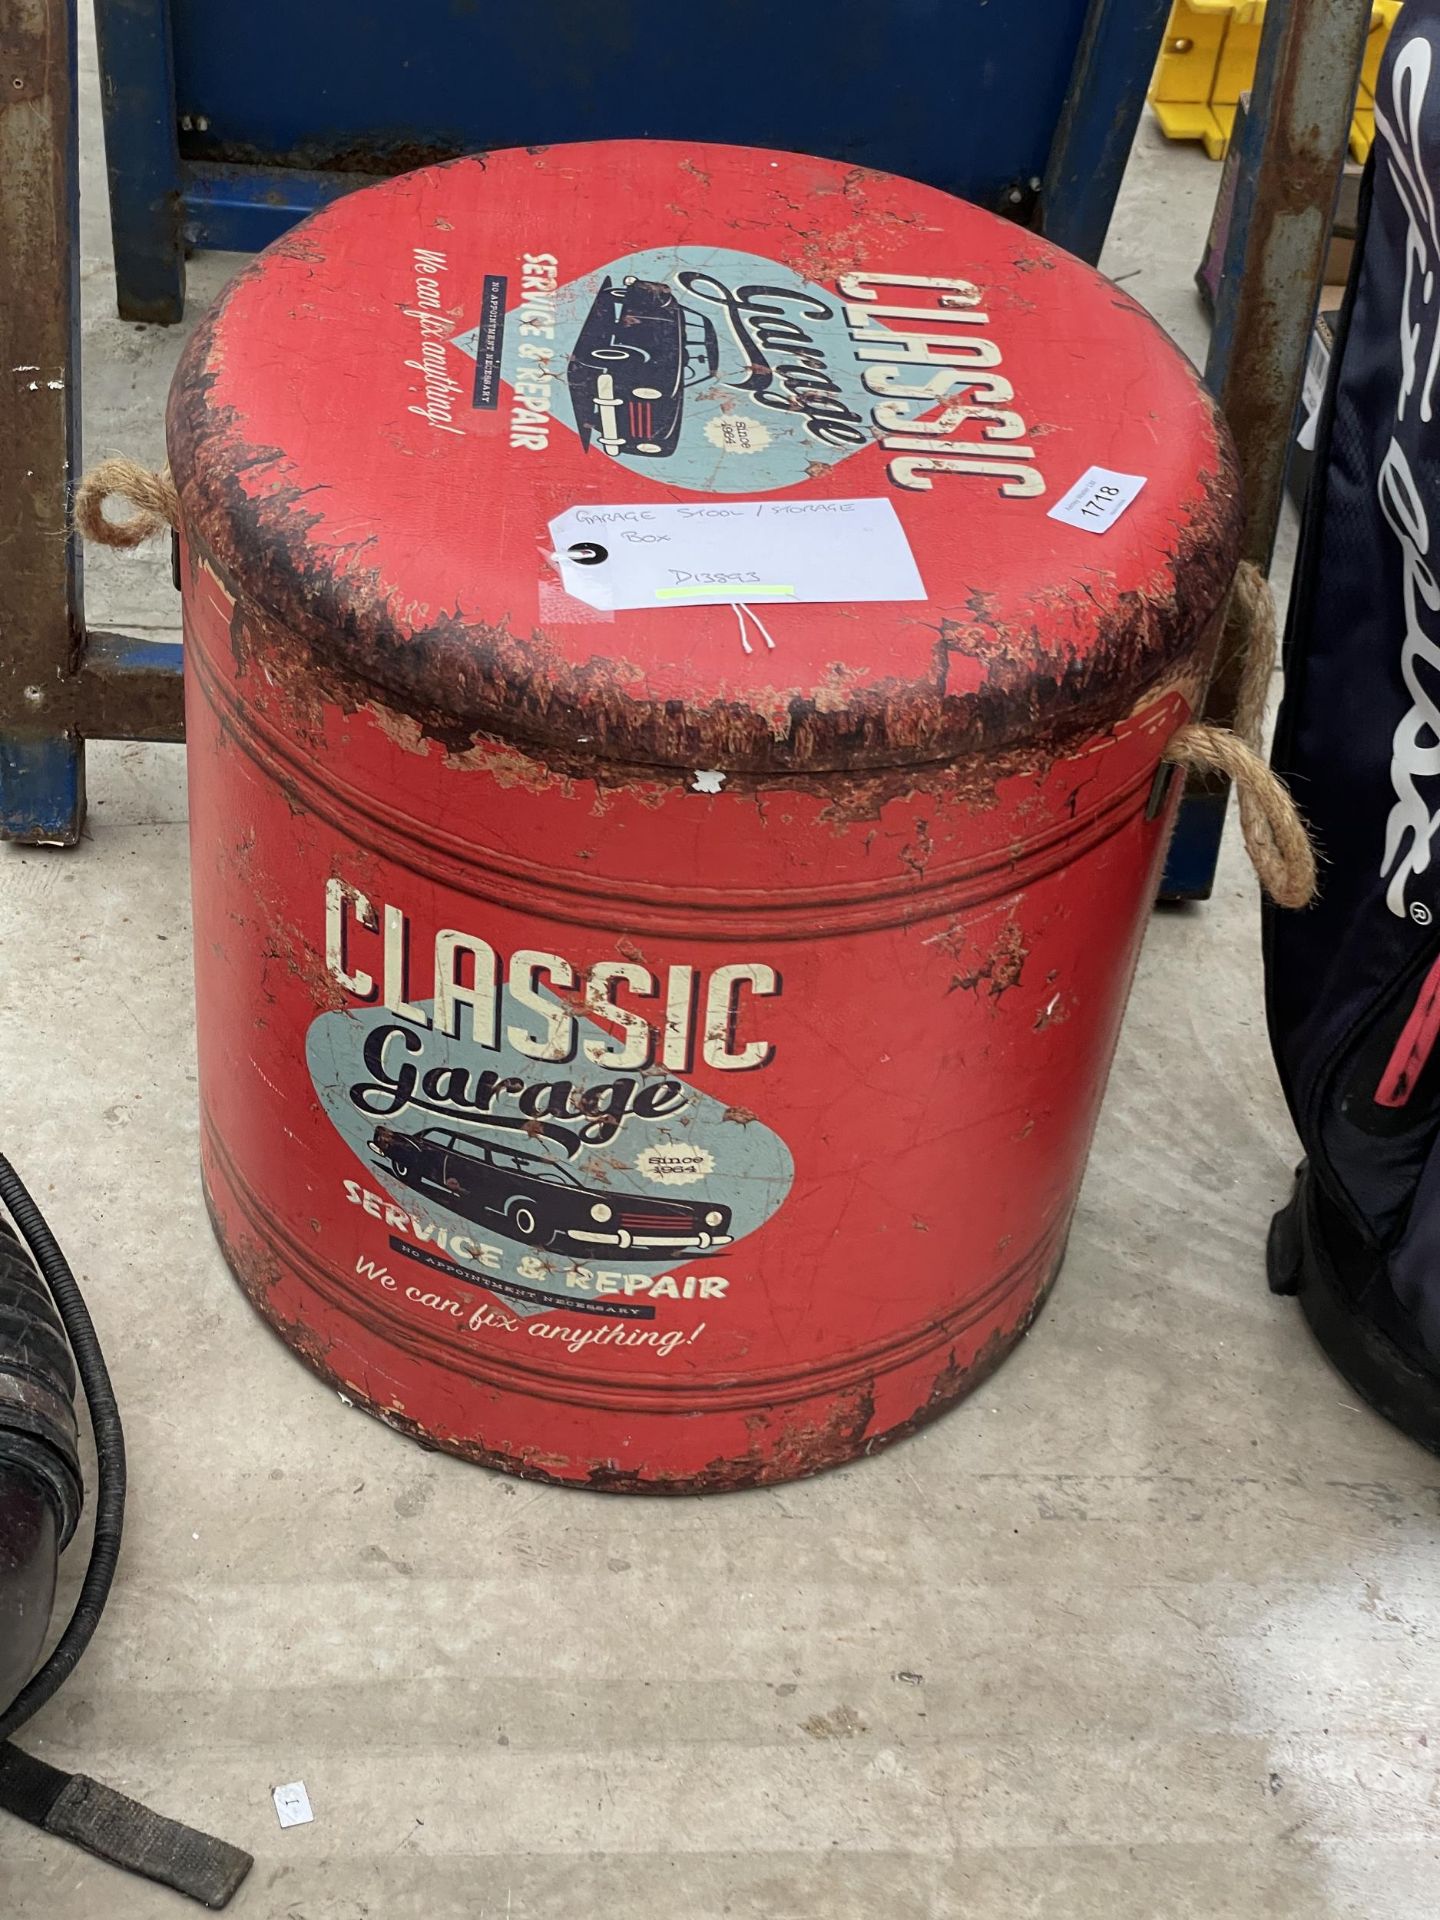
{"x": 711, "y": 593}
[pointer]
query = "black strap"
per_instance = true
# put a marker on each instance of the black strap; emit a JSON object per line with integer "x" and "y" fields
{"x": 115, "y": 1828}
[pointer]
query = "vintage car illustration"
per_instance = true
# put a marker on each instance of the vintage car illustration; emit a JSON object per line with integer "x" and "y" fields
{"x": 639, "y": 349}
{"x": 527, "y": 1197}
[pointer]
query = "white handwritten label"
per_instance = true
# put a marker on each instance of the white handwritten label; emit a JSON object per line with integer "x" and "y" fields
{"x": 761, "y": 551}
{"x": 1097, "y": 499}
{"x": 292, "y": 1804}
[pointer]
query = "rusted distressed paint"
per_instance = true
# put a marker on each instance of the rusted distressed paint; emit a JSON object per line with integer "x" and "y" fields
{"x": 796, "y": 1449}
{"x": 1294, "y": 152}
{"x": 305, "y": 686}
{"x": 807, "y": 963}
{"x": 265, "y": 525}
{"x": 58, "y": 684}
{"x": 40, "y": 617}
{"x": 122, "y": 691}
{"x": 1311, "y": 56}
{"x": 372, "y": 158}
{"x": 459, "y": 679}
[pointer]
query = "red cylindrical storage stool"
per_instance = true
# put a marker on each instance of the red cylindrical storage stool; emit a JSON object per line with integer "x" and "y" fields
{"x": 681, "y": 642}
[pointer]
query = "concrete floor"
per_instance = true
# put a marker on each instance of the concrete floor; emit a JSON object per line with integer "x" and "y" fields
{"x": 1145, "y": 1630}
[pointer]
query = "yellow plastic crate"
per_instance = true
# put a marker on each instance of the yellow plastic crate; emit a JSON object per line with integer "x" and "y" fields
{"x": 1184, "y": 83}
{"x": 1207, "y": 60}
{"x": 1362, "y": 127}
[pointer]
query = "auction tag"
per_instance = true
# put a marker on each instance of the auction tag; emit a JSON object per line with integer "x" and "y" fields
{"x": 1097, "y": 499}
{"x": 760, "y": 551}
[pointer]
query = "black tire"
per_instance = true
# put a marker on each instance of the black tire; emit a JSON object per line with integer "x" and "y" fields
{"x": 400, "y": 1166}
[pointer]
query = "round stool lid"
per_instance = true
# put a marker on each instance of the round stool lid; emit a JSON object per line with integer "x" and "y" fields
{"x": 704, "y": 457}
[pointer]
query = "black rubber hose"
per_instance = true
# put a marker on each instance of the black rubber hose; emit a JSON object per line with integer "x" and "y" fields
{"x": 109, "y": 1453}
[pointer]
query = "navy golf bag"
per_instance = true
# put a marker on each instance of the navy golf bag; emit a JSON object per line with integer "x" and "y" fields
{"x": 1353, "y": 982}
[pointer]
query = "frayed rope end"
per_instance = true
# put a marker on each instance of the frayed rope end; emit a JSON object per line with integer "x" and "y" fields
{"x": 151, "y": 494}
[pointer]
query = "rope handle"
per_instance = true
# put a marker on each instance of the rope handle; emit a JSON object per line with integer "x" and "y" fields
{"x": 151, "y": 494}
{"x": 1271, "y": 825}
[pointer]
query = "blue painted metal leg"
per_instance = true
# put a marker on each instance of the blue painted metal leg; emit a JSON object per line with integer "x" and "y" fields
{"x": 1097, "y": 126}
{"x": 142, "y": 159}
{"x": 1195, "y": 845}
{"x": 42, "y": 789}
{"x": 242, "y": 209}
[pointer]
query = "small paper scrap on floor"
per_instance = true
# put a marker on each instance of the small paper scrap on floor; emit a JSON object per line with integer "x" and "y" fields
{"x": 292, "y": 1804}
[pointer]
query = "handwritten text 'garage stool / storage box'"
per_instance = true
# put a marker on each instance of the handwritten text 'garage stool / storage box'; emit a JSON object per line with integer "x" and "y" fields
{"x": 680, "y": 646}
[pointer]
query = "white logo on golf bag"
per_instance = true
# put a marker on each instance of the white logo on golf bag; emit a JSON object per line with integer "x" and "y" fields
{"x": 1415, "y": 750}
